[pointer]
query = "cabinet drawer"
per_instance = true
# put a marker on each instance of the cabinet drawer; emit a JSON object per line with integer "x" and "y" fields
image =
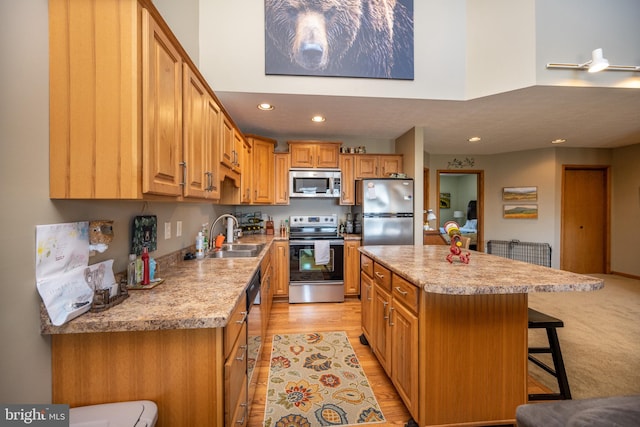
{"x": 236, "y": 322}
{"x": 366, "y": 264}
{"x": 406, "y": 292}
{"x": 382, "y": 276}
{"x": 235, "y": 375}
{"x": 241, "y": 415}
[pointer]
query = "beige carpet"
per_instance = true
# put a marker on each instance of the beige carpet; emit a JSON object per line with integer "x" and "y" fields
{"x": 600, "y": 340}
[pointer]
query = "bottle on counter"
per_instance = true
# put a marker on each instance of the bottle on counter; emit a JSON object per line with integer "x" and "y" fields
{"x": 145, "y": 266}
{"x": 131, "y": 270}
{"x": 200, "y": 245}
{"x": 205, "y": 233}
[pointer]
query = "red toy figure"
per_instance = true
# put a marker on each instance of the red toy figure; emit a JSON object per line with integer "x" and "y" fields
{"x": 453, "y": 230}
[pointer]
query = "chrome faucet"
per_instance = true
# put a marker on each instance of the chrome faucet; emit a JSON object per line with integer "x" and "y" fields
{"x": 230, "y": 228}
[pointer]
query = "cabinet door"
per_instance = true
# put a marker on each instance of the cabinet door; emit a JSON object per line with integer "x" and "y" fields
{"x": 366, "y": 299}
{"x": 235, "y": 377}
{"x": 327, "y": 155}
{"x": 281, "y": 191}
{"x": 263, "y": 176}
{"x": 195, "y": 135}
{"x": 366, "y": 166}
{"x": 381, "y": 343}
{"x": 227, "y": 147}
{"x": 302, "y": 155}
{"x": 390, "y": 164}
{"x": 404, "y": 355}
{"x": 352, "y": 267}
{"x": 213, "y": 149}
{"x": 347, "y": 183}
{"x": 281, "y": 288}
{"x": 161, "y": 112}
{"x": 244, "y": 165}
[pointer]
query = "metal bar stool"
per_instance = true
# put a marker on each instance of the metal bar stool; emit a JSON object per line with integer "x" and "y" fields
{"x": 538, "y": 320}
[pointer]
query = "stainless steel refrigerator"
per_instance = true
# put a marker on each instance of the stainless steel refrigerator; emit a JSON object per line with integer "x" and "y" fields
{"x": 386, "y": 211}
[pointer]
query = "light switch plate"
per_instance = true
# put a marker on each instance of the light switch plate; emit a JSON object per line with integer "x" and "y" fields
{"x": 167, "y": 230}
{"x": 178, "y": 228}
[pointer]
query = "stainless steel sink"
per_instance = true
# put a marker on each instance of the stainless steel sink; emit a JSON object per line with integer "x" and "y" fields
{"x": 237, "y": 250}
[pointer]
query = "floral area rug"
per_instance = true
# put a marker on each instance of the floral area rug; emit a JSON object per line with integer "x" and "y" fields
{"x": 315, "y": 379}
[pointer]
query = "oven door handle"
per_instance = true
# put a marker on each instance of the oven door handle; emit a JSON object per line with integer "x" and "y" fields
{"x": 311, "y": 242}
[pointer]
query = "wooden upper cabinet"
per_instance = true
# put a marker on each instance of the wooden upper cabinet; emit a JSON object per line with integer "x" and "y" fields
{"x": 95, "y": 149}
{"x": 390, "y": 163}
{"x": 161, "y": 111}
{"x": 282, "y": 162}
{"x": 347, "y": 179}
{"x": 244, "y": 165}
{"x": 263, "y": 188}
{"x": 195, "y": 136}
{"x": 314, "y": 154}
{"x": 131, "y": 117}
{"x": 214, "y": 118}
{"x": 377, "y": 165}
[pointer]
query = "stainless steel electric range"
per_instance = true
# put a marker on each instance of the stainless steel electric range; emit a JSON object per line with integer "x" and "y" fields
{"x": 316, "y": 259}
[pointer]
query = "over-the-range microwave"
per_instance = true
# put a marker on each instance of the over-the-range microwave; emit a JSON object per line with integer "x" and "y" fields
{"x": 314, "y": 183}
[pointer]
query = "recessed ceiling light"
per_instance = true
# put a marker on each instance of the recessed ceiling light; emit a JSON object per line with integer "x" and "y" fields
{"x": 474, "y": 139}
{"x": 317, "y": 119}
{"x": 265, "y": 107}
{"x": 558, "y": 141}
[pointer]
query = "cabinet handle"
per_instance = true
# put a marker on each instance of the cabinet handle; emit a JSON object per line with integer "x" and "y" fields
{"x": 244, "y": 317}
{"x": 368, "y": 293}
{"x": 244, "y": 353}
{"x": 390, "y": 316}
{"x": 184, "y": 174}
{"x": 401, "y": 292}
{"x": 381, "y": 276}
{"x": 241, "y": 420}
{"x": 384, "y": 309}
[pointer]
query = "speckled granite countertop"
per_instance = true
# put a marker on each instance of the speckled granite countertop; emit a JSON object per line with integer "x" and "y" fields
{"x": 195, "y": 294}
{"x": 427, "y": 267}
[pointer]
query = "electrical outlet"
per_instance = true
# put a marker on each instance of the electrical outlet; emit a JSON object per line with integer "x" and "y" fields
{"x": 167, "y": 230}
{"x": 178, "y": 228}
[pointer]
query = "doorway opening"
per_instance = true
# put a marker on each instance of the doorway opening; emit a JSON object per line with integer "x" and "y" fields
{"x": 461, "y": 199}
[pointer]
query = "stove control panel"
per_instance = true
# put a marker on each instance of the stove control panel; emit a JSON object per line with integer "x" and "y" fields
{"x": 322, "y": 220}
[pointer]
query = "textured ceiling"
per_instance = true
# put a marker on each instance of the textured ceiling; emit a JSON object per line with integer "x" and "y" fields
{"x": 513, "y": 121}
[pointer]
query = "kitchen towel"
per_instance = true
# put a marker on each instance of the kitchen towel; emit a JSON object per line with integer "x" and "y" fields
{"x": 321, "y": 252}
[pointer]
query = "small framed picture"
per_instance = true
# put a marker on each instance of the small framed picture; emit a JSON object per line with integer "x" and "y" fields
{"x": 445, "y": 200}
{"x": 520, "y": 211}
{"x": 517, "y": 194}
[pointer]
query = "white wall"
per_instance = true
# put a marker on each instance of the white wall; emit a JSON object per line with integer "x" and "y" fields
{"x": 568, "y": 30}
{"x": 447, "y": 47}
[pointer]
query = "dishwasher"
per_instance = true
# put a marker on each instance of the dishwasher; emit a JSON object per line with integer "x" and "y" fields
{"x": 254, "y": 334}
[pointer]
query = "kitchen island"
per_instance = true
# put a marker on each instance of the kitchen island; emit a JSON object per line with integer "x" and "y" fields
{"x": 453, "y": 336}
{"x": 182, "y": 344}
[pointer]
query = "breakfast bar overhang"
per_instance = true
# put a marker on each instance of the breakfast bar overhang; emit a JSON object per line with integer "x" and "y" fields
{"x": 472, "y": 329}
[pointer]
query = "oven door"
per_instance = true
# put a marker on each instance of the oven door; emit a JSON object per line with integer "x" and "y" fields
{"x": 312, "y": 281}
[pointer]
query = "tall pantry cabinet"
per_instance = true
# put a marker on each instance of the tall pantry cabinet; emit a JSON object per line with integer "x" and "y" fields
{"x": 131, "y": 116}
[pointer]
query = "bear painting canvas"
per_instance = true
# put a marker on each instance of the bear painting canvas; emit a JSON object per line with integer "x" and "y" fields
{"x": 345, "y": 38}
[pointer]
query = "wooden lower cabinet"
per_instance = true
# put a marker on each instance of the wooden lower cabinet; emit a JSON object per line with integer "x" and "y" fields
{"x": 184, "y": 371}
{"x": 281, "y": 269}
{"x": 351, "y": 268}
{"x": 454, "y": 359}
{"x": 404, "y": 333}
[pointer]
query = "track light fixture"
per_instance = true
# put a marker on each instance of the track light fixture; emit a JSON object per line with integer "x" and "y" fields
{"x": 597, "y": 63}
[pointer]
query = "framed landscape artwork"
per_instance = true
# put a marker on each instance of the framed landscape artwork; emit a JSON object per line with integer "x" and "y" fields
{"x": 520, "y": 211}
{"x": 512, "y": 194}
{"x": 340, "y": 39}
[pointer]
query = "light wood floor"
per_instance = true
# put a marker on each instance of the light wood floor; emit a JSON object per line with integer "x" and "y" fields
{"x": 327, "y": 317}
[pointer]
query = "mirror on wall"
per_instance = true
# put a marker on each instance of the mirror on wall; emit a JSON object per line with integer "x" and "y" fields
{"x": 460, "y": 195}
